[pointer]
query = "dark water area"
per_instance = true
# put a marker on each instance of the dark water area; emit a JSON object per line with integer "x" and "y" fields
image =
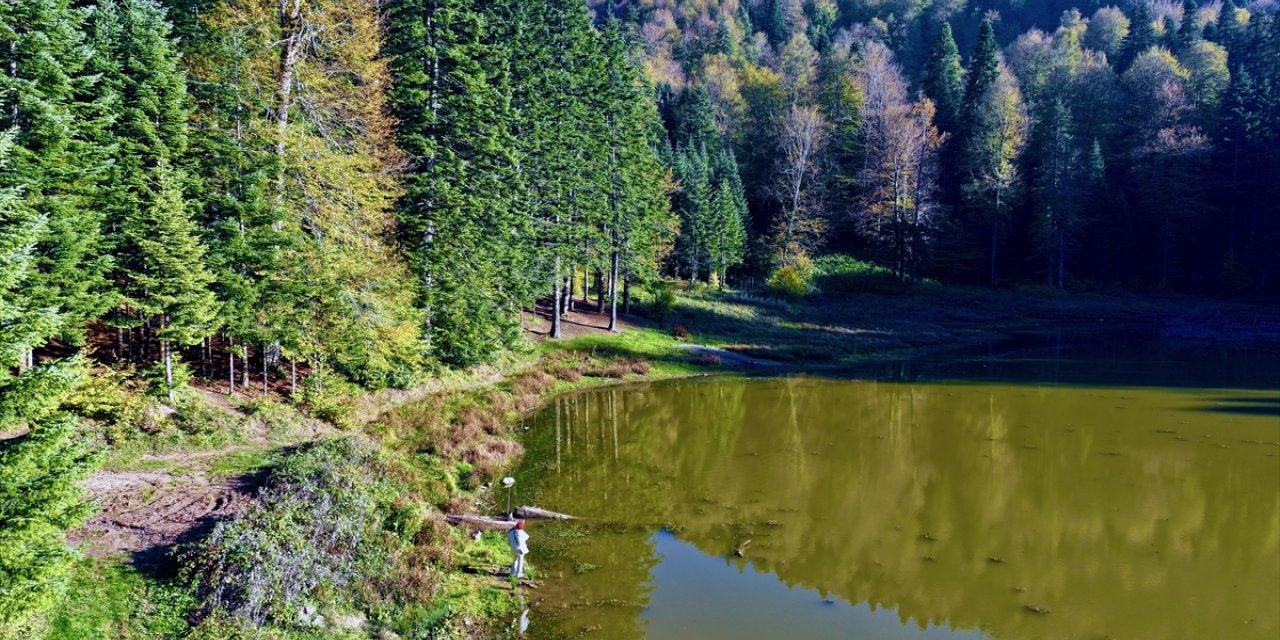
{"x": 1095, "y": 358}
{"x": 1048, "y": 488}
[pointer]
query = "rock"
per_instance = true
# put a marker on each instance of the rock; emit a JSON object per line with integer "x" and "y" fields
{"x": 350, "y": 622}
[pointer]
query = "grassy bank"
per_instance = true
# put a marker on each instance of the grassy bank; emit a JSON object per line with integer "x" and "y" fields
{"x": 369, "y": 477}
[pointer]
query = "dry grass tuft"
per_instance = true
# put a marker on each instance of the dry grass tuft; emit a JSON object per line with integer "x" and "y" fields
{"x": 528, "y": 389}
{"x": 484, "y": 419}
{"x": 491, "y": 457}
{"x": 708, "y": 360}
{"x": 617, "y": 369}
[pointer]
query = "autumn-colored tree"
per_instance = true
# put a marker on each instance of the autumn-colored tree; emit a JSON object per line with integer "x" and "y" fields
{"x": 900, "y": 179}
{"x": 997, "y": 134}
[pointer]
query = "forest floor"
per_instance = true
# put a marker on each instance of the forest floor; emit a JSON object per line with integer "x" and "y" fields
{"x": 169, "y": 488}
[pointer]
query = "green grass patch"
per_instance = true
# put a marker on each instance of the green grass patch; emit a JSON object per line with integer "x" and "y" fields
{"x": 109, "y": 600}
{"x": 836, "y": 274}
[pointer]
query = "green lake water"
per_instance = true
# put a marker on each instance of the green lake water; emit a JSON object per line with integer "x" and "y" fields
{"x": 1017, "y": 495}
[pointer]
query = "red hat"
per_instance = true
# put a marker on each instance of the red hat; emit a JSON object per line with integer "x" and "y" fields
{"x": 520, "y": 524}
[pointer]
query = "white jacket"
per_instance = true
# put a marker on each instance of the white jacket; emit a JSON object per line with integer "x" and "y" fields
{"x": 519, "y": 541}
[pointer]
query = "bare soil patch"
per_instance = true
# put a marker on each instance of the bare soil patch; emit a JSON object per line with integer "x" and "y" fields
{"x": 145, "y": 514}
{"x": 585, "y": 319}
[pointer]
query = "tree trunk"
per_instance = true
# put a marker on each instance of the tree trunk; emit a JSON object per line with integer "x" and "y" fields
{"x": 231, "y": 366}
{"x": 265, "y": 381}
{"x": 601, "y": 291}
{"x": 291, "y": 27}
{"x": 613, "y": 292}
{"x": 1062, "y": 261}
{"x": 168, "y": 368}
{"x": 994, "y": 237}
{"x": 555, "y": 300}
{"x": 626, "y": 295}
{"x": 293, "y": 377}
{"x": 570, "y": 284}
{"x": 244, "y": 371}
{"x": 13, "y": 73}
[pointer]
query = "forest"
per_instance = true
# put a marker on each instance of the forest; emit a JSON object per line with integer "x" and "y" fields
{"x": 331, "y": 194}
{"x": 1072, "y": 144}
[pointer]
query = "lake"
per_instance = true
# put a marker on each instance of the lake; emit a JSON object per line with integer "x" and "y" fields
{"x": 1054, "y": 488}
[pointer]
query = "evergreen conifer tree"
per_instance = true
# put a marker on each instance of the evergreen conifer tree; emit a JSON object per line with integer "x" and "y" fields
{"x": 637, "y": 196}
{"x": 984, "y": 68}
{"x": 944, "y": 79}
{"x": 1142, "y": 34}
{"x": 165, "y": 278}
{"x": 1189, "y": 29}
{"x": 55, "y": 108}
{"x": 41, "y": 457}
{"x": 458, "y": 215}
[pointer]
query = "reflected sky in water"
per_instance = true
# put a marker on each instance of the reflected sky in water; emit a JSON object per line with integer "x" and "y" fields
{"x": 700, "y": 596}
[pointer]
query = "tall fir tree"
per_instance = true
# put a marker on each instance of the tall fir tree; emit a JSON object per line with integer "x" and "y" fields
{"x": 1189, "y": 28}
{"x": 56, "y": 109}
{"x": 1142, "y": 34}
{"x": 459, "y": 213}
{"x": 984, "y": 69}
{"x": 165, "y": 280}
{"x": 944, "y": 79}
{"x": 1058, "y": 188}
{"x": 138, "y": 61}
{"x": 639, "y": 222}
{"x": 42, "y": 457}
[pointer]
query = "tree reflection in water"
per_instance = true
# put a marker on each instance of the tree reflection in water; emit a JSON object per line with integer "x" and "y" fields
{"x": 1121, "y": 512}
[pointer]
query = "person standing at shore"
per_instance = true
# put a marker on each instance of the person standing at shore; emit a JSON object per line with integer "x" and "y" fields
{"x": 519, "y": 541}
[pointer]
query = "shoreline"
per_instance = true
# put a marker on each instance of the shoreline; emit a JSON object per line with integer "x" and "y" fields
{"x": 469, "y": 420}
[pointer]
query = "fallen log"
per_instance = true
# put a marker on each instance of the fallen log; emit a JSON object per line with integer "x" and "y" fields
{"x": 483, "y": 523}
{"x": 488, "y": 523}
{"x": 534, "y": 513}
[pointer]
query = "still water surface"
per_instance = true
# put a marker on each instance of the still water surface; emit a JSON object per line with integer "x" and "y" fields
{"x": 962, "y": 507}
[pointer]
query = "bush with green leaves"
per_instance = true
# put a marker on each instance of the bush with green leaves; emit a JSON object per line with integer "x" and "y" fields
{"x": 39, "y": 493}
{"x": 664, "y": 300}
{"x": 316, "y": 532}
{"x": 158, "y": 385}
{"x": 793, "y": 278}
{"x": 841, "y": 274}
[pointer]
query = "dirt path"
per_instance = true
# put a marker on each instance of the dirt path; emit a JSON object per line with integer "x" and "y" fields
{"x": 145, "y": 513}
{"x": 727, "y": 357}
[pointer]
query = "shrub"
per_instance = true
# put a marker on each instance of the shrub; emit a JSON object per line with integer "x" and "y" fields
{"x": 664, "y": 301}
{"x": 708, "y": 360}
{"x": 618, "y": 369}
{"x": 314, "y": 534}
{"x": 682, "y": 333}
{"x": 839, "y": 273}
{"x": 159, "y": 387}
{"x": 108, "y": 398}
{"x": 790, "y": 282}
{"x": 194, "y": 416}
{"x": 325, "y": 403}
{"x": 278, "y": 420}
{"x": 40, "y": 498}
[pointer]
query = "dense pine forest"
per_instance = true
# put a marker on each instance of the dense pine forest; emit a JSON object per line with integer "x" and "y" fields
{"x": 314, "y": 195}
